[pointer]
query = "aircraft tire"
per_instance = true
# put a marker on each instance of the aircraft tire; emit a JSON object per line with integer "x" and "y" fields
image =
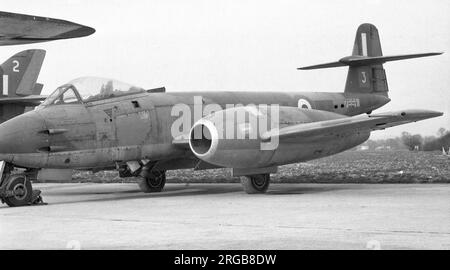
{"x": 154, "y": 182}
{"x": 254, "y": 184}
{"x": 18, "y": 183}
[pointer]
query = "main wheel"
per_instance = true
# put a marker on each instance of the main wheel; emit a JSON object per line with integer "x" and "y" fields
{"x": 255, "y": 183}
{"x": 153, "y": 181}
{"x": 21, "y": 190}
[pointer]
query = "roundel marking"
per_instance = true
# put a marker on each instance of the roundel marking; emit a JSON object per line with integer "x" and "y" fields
{"x": 304, "y": 104}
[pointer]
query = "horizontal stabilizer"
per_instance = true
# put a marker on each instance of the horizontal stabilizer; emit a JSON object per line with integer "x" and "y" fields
{"x": 28, "y": 100}
{"x": 326, "y": 65}
{"x": 357, "y": 60}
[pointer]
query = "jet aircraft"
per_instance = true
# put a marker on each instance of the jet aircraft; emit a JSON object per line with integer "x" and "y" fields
{"x": 16, "y": 29}
{"x": 100, "y": 124}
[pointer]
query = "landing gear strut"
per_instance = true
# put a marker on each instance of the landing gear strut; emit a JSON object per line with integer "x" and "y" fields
{"x": 16, "y": 190}
{"x": 254, "y": 184}
{"x": 152, "y": 180}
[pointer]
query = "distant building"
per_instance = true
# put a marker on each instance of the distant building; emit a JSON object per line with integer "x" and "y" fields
{"x": 362, "y": 148}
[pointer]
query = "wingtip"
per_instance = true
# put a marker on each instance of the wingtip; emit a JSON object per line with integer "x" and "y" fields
{"x": 439, "y": 114}
{"x": 80, "y": 31}
{"x": 89, "y": 30}
{"x": 84, "y": 31}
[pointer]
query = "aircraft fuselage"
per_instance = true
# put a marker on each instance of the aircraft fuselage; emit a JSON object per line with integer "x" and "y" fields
{"x": 103, "y": 133}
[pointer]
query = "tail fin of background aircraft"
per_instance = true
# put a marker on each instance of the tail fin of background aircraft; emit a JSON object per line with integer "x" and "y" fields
{"x": 366, "y": 73}
{"x": 18, "y": 75}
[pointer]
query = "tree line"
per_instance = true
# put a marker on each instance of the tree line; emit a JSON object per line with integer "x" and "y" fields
{"x": 413, "y": 142}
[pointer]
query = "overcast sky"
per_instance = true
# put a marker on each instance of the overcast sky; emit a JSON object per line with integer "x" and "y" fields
{"x": 249, "y": 45}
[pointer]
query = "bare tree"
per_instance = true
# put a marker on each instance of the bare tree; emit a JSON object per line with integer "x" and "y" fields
{"x": 411, "y": 141}
{"x": 441, "y": 132}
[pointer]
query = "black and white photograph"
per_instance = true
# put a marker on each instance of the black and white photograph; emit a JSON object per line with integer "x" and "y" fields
{"x": 243, "y": 127}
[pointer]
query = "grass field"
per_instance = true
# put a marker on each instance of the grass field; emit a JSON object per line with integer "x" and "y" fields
{"x": 347, "y": 167}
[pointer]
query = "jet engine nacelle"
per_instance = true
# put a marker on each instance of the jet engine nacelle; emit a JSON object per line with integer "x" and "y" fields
{"x": 231, "y": 137}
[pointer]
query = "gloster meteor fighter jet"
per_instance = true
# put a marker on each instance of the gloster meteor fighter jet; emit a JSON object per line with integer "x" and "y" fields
{"x": 99, "y": 124}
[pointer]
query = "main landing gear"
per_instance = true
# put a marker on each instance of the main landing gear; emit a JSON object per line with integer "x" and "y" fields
{"x": 16, "y": 189}
{"x": 254, "y": 184}
{"x": 152, "y": 180}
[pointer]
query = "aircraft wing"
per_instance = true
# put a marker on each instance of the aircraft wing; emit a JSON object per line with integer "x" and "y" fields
{"x": 22, "y": 29}
{"x": 32, "y": 99}
{"x": 315, "y": 130}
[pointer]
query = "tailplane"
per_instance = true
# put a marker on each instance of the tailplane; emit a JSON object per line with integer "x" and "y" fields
{"x": 18, "y": 75}
{"x": 366, "y": 73}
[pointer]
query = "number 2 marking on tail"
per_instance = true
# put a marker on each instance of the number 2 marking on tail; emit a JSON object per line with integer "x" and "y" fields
{"x": 16, "y": 66}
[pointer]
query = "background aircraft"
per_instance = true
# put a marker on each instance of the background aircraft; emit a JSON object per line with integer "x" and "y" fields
{"x": 100, "y": 124}
{"x": 18, "y": 75}
{"x": 23, "y": 29}
{"x": 18, "y": 87}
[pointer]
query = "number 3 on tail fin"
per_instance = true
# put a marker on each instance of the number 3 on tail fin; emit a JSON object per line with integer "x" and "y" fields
{"x": 363, "y": 77}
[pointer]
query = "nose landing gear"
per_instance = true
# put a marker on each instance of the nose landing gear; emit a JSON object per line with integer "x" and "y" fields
{"x": 16, "y": 190}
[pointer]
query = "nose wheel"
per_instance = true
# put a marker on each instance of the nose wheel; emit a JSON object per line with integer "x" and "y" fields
{"x": 17, "y": 190}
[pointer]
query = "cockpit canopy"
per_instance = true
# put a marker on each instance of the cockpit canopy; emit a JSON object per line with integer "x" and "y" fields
{"x": 89, "y": 89}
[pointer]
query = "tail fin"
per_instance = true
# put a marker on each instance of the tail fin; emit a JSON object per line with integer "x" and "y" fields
{"x": 366, "y": 73}
{"x": 367, "y": 41}
{"x": 369, "y": 77}
{"x": 18, "y": 75}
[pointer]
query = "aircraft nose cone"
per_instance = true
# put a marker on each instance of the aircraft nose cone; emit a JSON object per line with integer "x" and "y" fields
{"x": 22, "y": 134}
